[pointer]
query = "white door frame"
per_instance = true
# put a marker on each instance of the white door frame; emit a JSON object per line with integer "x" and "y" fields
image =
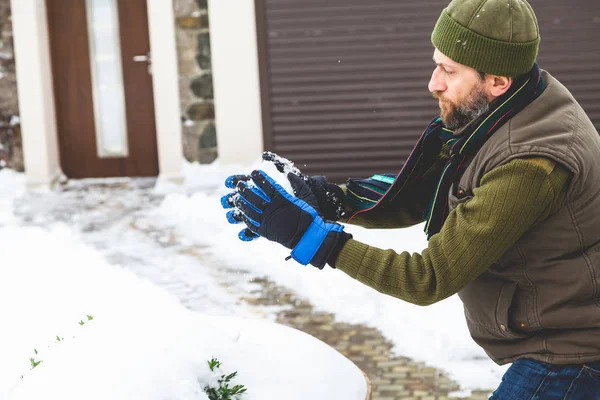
{"x": 36, "y": 93}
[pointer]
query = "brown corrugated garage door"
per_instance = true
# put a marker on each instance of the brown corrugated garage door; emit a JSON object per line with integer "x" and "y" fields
{"x": 344, "y": 82}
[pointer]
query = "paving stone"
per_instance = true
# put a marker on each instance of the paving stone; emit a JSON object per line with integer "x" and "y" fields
{"x": 423, "y": 374}
{"x": 394, "y": 394}
{"x": 420, "y": 393}
{"x": 392, "y": 363}
{"x": 404, "y": 368}
{"x": 381, "y": 382}
{"x": 395, "y": 375}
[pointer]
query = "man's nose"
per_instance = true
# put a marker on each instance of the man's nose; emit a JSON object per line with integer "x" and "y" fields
{"x": 436, "y": 84}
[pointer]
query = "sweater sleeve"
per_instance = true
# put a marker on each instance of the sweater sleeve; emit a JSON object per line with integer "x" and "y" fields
{"x": 511, "y": 199}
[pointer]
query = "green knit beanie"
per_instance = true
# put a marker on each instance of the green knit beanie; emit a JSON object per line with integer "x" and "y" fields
{"x": 499, "y": 37}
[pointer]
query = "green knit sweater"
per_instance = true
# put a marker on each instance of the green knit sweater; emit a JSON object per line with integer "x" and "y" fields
{"x": 511, "y": 199}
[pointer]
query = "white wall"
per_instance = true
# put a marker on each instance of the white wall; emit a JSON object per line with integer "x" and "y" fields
{"x": 166, "y": 89}
{"x": 234, "y": 58}
{"x": 35, "y": 91}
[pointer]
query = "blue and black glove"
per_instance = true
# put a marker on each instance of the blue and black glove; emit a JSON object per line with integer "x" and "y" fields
{"x": 293, "y": 221}
{"x": 329, "y": 196}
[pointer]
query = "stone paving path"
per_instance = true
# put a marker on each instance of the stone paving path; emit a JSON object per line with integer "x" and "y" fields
{"x": 392, "y": 377}
{"x": 94, "y": 209}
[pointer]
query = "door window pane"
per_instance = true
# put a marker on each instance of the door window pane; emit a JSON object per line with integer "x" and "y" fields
{"x": 107, "y": 78}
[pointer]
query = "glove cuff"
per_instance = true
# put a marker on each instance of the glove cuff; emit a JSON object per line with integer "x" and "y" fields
{"x": 329, "y": 250}
{"x": 337, "y": 247}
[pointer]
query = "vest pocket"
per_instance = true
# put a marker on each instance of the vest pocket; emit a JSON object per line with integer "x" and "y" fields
{"x": 503, "y": 311}
{"x": 488, "y": 305}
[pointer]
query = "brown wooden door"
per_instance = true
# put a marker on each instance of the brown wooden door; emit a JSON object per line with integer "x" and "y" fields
{"x": 72, "y": 74}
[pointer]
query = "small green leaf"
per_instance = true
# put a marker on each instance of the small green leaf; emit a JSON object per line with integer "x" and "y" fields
{"x": 231, "y": 376}
{"x": 34, "y": 363}
{"x": 238, "y": 389}
{"x": 214, "y": 363}
{"x": 81, "y": 322}
{"x": 89, "y": 317}
{"x": 35, "y": 351}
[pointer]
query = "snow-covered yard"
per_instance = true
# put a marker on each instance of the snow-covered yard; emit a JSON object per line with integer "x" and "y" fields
{"x": 137, "y": 341}
{"x": 143, "y": 343}
{"x": 97, "y": 331}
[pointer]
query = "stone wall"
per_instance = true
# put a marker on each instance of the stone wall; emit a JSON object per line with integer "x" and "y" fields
{"x": 11, "y": 153}
{"x": 195, "y": 80}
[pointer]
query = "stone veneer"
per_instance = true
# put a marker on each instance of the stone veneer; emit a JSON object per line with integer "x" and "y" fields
{"x": 11, "y": 153}
{"x": 195, "y": 80}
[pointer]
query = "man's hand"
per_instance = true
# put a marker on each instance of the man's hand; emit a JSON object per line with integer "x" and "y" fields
{"x": 293, "y": 221}
{"x": 329, "y": 196}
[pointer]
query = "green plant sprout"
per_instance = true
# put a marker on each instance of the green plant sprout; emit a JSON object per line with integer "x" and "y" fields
{"x": 34, "y": 363}
{"x": 223, "y": 392}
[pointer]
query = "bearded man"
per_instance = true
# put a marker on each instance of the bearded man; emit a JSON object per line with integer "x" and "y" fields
{"x": 507, "y": 180}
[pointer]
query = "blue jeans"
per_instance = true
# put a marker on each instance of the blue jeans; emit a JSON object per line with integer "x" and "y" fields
{"x": 535, "y": 380}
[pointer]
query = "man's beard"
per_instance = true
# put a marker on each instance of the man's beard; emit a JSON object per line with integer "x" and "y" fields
{"x": 458, "y": 115}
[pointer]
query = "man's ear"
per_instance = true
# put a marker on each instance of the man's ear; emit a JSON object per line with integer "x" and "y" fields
{"x": 498, "y": 85}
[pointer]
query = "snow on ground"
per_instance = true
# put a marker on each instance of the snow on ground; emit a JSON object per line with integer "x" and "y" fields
{"x": 69, "y": 260}
{"x": 12, "y": 185}
{"x": 436, "y": 334}
{"x": 101, "y": 332}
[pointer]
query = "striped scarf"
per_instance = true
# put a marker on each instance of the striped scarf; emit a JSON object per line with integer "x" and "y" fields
{"x": 365, "y": 195}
